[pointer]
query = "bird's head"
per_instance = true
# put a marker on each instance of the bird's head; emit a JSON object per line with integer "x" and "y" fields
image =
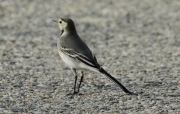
{"x": 66, "y": 24}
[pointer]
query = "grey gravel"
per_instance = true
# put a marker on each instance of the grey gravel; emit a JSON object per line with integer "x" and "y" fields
{"x": 136, "y": 41}
{"x": 16, "y": 109}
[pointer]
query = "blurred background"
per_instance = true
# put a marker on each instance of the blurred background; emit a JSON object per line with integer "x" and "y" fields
{"x": 137, "y": 41}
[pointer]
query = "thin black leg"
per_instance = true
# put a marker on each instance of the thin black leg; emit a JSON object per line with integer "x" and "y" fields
{"x": 75, "y": 74}
{"x": 80, "y": 81}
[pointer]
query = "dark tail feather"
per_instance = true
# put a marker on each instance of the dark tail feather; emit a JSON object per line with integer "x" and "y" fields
{"x": 114, "y": 80}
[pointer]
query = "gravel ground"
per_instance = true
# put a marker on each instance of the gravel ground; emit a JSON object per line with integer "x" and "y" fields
{"x": 136, "y": 41}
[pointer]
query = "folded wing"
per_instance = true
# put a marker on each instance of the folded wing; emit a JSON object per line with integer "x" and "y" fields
{"x": 82, "y": 58}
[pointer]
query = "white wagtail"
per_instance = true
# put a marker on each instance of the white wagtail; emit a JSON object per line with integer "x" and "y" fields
{"x": 76, "y": 54}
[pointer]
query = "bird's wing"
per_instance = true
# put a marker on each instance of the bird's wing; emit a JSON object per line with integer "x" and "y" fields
{"x": 81, "y": 57}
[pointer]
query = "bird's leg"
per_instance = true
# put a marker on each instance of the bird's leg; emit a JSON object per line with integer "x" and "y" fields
{"x": 75, "y": 74}
{"x": 81, "y": 80}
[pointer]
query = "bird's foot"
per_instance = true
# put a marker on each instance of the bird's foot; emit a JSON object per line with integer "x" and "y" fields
{"x": 74, "y": 93}
{"x": 131, "y": 93}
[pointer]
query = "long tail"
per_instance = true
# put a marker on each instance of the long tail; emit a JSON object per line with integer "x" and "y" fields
{"x": 102, "y": 71}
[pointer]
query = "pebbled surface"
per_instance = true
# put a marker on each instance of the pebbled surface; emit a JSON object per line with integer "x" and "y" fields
{"x": 136, "y": 41}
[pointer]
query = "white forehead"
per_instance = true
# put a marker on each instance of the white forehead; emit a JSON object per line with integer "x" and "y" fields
{"x": 60, "y": 20}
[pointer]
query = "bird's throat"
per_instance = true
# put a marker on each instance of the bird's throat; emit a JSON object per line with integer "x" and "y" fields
{"x": 62, "y": 31}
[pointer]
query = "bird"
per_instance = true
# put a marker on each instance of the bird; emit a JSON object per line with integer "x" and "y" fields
{"x": 77, "y": 55}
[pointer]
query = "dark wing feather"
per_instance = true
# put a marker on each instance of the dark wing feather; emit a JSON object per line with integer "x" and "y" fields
{"x": 80, "y": 57}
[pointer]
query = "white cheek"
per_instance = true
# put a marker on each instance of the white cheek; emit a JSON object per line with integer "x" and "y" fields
{"x": 64, "y": 25}
{"x": 60, "y": 26}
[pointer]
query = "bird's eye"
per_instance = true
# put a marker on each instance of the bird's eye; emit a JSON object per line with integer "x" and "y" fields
{"x": 60, "y": 21}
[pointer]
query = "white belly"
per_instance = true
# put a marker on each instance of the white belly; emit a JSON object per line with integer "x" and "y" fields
{"x": 68, "y": 60}
{"x": 73, "y": 63}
